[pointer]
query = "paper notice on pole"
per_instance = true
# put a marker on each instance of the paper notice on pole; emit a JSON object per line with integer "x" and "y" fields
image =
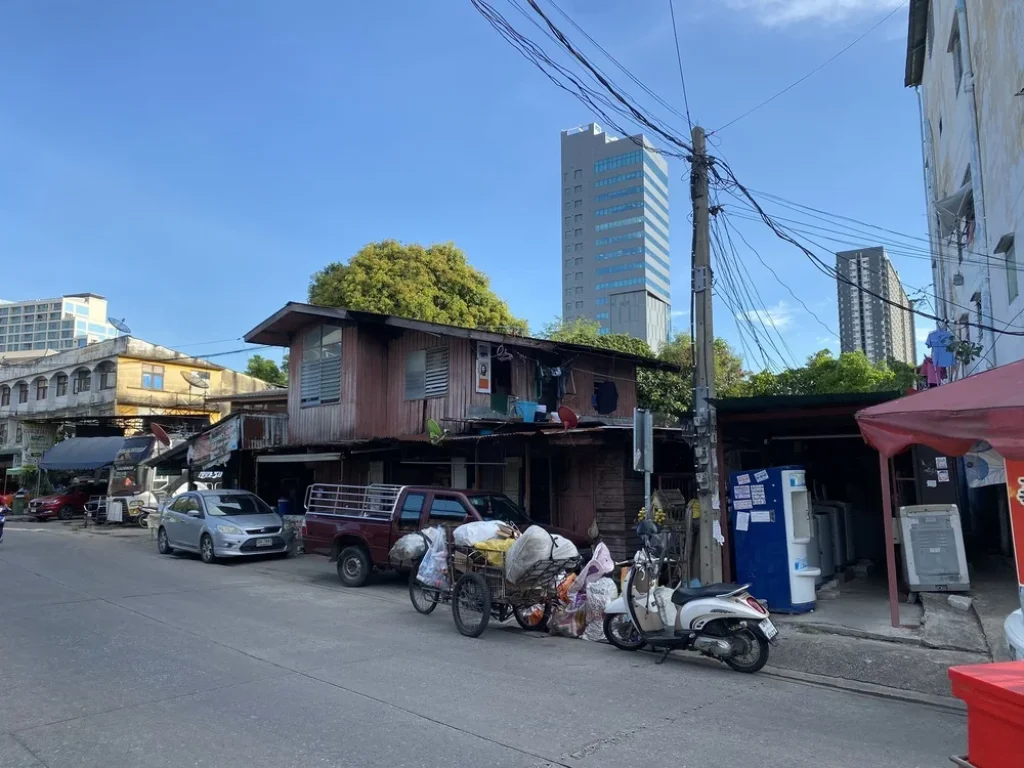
{"x": 943, "y": 475}
{"x": 757, "y": 495}
{"x": 932, "y": 483}
{"x": 742, "y": 521}
{"x": 743, "y": 479}
{"x": 760, "y": 476}
{"x": 742, "y": 504}
{"x": 741, "y": 491}
{"x": 940, "y": 462}
{"x": 761, "y": 516}
{"x": 716, "y": 531}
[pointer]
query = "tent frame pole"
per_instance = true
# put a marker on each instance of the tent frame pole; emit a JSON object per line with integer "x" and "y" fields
{"x": 890, "y": 539}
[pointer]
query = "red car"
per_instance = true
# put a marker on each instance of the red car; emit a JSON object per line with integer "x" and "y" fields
{"x": 65, "y": 505}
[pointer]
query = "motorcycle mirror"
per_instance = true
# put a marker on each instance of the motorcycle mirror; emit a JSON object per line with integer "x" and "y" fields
{"x": 646, "y": 528}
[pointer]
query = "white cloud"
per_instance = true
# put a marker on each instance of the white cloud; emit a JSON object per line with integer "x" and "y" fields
{"x": 681, "y": 313}
{"x": 921, "y": 334}
{"x": 774, "y": 13}
{"x": 777, "y": 317}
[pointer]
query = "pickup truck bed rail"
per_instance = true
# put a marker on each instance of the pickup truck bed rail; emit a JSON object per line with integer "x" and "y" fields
{"x": 375, "y": 501}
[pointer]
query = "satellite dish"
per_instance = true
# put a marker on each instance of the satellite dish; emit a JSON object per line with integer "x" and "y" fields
{"x": 194, "y": 380}
{"x": 436, "y": 433}
{"x": 119, "y": 324}
{"x": 568, "y": 417}
{"x": 160, "y": 434}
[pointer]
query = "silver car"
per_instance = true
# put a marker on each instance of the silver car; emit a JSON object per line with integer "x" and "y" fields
{"x": 220, "y": 523}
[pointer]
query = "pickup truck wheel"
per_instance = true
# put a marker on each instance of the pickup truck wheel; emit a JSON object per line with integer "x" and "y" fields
{"x": 66, "y": 512}
{"x": 354, "y": 566}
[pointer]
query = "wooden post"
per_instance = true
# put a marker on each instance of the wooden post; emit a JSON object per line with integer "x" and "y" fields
{"x": 890, "y": 547}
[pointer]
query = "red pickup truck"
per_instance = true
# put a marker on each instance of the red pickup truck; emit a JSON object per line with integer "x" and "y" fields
{"x": 358, "y": 525}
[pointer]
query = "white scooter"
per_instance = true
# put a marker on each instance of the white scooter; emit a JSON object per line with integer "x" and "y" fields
{"x": 722, "y": 621}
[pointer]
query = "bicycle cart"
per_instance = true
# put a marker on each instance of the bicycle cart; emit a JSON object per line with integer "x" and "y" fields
{"x": 481, "y": 590}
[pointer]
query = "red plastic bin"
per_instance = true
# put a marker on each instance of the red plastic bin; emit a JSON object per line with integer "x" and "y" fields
{"x": 994, "y": 694}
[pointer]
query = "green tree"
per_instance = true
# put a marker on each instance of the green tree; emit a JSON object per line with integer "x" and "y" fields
{"x": 266, "y": 370}
{"x": 435, "y": 284}
{"x": 825, "y": 373}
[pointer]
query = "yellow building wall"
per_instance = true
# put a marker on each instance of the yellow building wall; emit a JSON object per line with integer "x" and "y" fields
{"x": 176, "y": 396}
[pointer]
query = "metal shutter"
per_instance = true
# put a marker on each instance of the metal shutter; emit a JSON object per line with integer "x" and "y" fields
{"x": 436, "y": 377}
{"x": 330, "y": 373}
{"x": 309, "y": 377}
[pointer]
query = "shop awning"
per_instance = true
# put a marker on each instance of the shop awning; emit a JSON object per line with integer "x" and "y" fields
{"x": 82, "y": 453}
{"x": 988, "y": 406}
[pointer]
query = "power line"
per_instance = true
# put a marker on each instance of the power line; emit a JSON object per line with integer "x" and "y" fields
{"x": 814, "y": 71}
{"x": 780, "y": 281}
{"x": 679, "y": 59}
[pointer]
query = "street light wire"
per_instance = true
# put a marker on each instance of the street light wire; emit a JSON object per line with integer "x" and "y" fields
{"x": 679, "y": 59}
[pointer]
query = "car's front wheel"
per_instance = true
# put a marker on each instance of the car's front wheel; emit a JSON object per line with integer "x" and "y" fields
{"x": 162, "y": 545}
{"x": 66, "y": 512}
{"x": 206, "y": 549}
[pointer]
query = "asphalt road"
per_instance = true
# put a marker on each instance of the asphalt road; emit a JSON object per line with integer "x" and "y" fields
{"x": 112, "y": 655}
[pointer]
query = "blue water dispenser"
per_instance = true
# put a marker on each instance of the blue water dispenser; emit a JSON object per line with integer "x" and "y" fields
{"x": 771, "y": 528}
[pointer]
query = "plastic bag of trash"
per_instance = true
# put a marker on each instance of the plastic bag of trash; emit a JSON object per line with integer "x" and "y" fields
{"x": 599, "y": 593}
{"x": 482, "y": 530}
{"x": 433, "y": 570}
{"x": 412, "y": 546}
{"x": 666, "y": 609}
{"x": 494, "y": 550}
{"x": 601, "y": 564}
{"x": 534, "y": 546}
{"x": 569, "y": 619}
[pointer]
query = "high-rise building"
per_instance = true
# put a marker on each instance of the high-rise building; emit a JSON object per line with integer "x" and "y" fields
{"x": 875, "y": 315}
{"x": 40, "y": 326}
{"x": 615, "y": 234}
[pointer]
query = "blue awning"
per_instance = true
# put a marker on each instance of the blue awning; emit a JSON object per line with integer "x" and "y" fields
{"x": 81, "y": 453}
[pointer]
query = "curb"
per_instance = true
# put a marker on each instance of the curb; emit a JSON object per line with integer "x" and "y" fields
{"x": 946, "y": 703}
{"x": 835, "y": 629}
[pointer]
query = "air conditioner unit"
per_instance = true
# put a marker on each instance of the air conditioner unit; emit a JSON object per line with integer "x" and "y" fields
{"x": 933, "y": 548}
{"x": 958, "y": 279}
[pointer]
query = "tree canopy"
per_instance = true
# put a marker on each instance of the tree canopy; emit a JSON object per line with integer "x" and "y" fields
{"x": 825, "y": 374}
{"x": 266, "y": 370}
{"x": 435, "y": 284}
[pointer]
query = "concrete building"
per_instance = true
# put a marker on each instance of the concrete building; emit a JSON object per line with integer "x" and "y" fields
{"x": 42, "y": 326}
{"x": 867, "y": 323}
{"x": 616, "y": 264}
{"x": 108, "y": 387}
{"x": 966, "y": 60}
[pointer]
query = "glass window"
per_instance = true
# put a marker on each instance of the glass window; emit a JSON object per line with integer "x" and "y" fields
{"x": 108, "y": 375}
{"x": 577, "y": 174}
{"x": 579, "y": 305}
{"x": 23, "y": 392}
{"x": 618, "y": 161}
{"x": 579, "y": 275}
{"x": 578, "y": 260}
{"x": 152, "y": 377}
{"x": 578, "y": 248}
{"x": 577, "y": 203}
{"x": 578, "y": 218}
{"x": 5, "y": 396}
{"x": 568, "y": 275}
{"x": 579, "y": 290}
{"x": 426, "y": 373}
{"x": 62, "y": 384}
{"x": 83, "y": 381}
{"x": 42, "y": 387}
{"x": 446, "y": 509}
{"x": 578, "y": 189}
{"x": 568, "y": 305}
{"x": 320, "y": 371}
{"x": 412, "y": 508}
{"x": 568, "y": 191}
{"x": 500, "y": 507}
{"x": 229, "y": 505}
{"x": 568, "y": 219}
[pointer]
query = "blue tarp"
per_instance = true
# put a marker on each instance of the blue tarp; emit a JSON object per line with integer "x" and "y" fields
{"x": 92, "y": 452}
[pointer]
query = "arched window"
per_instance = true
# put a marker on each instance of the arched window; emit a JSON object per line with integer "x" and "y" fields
{"x": 22, "y": 392}
{"x": 108, "y": 375}
{"x": 42, "y": 388}
{"x": 60, "y": 385}
{"x": 82, "y": 381}
{"x": 5, "y": 396}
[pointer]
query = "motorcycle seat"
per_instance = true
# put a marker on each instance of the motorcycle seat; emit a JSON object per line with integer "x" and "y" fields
{"x": 683, "y": 595}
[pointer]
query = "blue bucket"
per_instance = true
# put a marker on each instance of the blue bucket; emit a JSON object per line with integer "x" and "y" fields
{"x": 526, "y": 409}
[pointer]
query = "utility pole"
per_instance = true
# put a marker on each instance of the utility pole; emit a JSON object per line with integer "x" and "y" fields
{"x": 710, "y": 538}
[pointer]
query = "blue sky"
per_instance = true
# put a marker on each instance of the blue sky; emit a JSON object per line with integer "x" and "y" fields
{"x": 196, "y": 162}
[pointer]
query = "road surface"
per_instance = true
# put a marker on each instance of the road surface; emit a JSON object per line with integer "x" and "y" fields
{"x": 112, "y": 655}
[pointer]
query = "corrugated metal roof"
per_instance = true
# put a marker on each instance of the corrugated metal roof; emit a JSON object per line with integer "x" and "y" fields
{"x": 277, "y": 329}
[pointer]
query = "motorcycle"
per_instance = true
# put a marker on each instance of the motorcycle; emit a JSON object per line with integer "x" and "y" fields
{"x": 722, "y": 621}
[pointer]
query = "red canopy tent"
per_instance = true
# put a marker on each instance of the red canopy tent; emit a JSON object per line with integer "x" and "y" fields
{"x": 988, "y": 406}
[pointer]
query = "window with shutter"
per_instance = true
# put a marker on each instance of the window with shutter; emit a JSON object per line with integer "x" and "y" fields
{"x": 436, "y": 378}
{"x": 320, "y": 371}
{"x": 426, "y": 373}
